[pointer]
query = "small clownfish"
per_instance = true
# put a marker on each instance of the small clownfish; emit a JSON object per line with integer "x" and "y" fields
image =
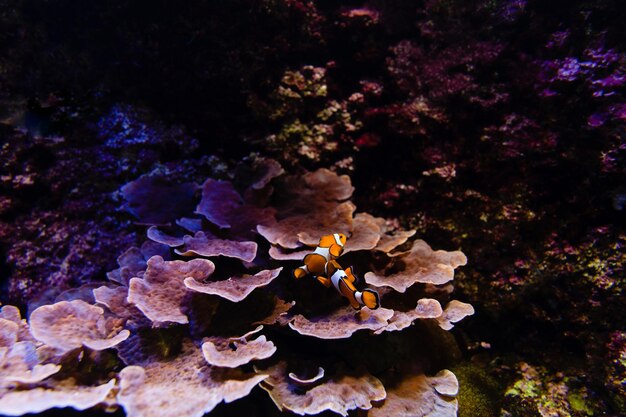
{"x": 343, "y": 281}
{"x": 315, "y": 263}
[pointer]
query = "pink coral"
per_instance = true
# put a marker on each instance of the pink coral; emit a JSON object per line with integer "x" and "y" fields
{"x": 421, "y": 396}
{"x": 418, "y": 265}
{"x": 68, "y": 394}
{"x": 68, "y": 325}
{"x": 236, "y": 351}
{"x": 341, "y": 323}
{"x": 176, "y": 324}
{"x": 234, "y": 288}
{"x": 161, "y": 290}
{"x": 203, "y": 245}
{"x": 184, "y": 386}
{"x": 29, "y": 369}
{"x": 339, "y": 393}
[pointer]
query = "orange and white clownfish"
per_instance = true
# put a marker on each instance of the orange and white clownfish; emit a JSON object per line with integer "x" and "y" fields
{"x": 315, "y": 263}
{"x": 343, "y": 281}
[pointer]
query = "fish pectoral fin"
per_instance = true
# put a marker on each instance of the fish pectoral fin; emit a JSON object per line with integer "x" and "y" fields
{"x": 325, "y": 281}
{"x": 335, "y": 250}
{"x": 299, "y": 273}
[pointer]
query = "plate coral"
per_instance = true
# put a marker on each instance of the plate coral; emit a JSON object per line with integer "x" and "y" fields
{"x": 176, "y": 329}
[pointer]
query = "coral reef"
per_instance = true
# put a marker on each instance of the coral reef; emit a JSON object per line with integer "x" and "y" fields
{"x": 60, "y": 222}
{"x": 33, "y": 374}
{"x": 176, "y": 322}
{"x": 313, "y": 126}
{"x": 68, "y": 325}
{"x": 537, "y": 393}
{"x": 500, "y": 128}
{"x": 492, "y": 126}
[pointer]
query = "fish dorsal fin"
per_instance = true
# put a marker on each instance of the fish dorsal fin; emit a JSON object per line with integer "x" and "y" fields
{"x": 350, "y": 275}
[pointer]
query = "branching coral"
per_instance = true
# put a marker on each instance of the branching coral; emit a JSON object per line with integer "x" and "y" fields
{"x": 177, "y": 323}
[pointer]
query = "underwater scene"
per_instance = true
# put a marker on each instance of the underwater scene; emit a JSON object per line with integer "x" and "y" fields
{"x": 264, "y": 208}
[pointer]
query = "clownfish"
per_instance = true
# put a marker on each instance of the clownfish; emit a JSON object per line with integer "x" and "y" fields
{"x": 315, "y": 263}
{"x": 343, "y": 281}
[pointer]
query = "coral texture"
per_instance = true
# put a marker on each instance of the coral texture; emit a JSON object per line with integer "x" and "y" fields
{"x": 339, "y": 393}
{"x": 68, "y": 325}
{"x": 31, "y": 380}
{"x": 184, "y": 386}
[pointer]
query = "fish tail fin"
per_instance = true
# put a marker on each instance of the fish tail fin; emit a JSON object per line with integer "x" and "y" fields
{"x": 300, "y": 272}
{"x": 370, "y": 299}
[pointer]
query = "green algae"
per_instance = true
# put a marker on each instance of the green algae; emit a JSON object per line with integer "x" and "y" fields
{"x": 578, "y": 401}
{"x": 541, "y": 392}
{"x": 479, "y": 392}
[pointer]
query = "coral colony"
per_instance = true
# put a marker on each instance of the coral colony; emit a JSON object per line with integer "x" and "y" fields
{"x": 220, "y": 207}
{"x": 207, "y": 309}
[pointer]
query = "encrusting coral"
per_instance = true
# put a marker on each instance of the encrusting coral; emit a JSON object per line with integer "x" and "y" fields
{"x": 186, "y": 331}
